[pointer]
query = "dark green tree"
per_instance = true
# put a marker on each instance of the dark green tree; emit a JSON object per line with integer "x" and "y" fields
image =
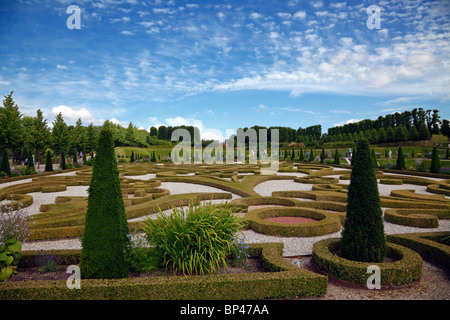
{"x": 48, "y": 162}
{"x": 363, "y": 237}
{"x": 11, "y": 131}
{"x": 400, "y": 160}
{"x": 132, "y": 156}
{"x": 5, "y": 167}
{"x": 373, "y": 156}
{"x": 322, "y": 156}
{"x": 311, "y": 156}
{"x": 337, "y": 157}
{"x": 63, "y": 161}
{"x": 105, "y": 243}
{"x": 302, "y": 157}
{"x": 435, "y": 161}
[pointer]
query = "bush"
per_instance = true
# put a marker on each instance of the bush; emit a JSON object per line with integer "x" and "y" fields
{"x": 405, "y": 270}
{"x": 400, "y": 165}
{"x": 105, "y": 242}
{"x": 9, "y": 258}
{"x": 13, "y": 224}
{"x": 363, "y": 236}
{"x": 197, "y": 241}
{"x": 48, "y": 162}
{"x": 435, "y": 162}
{"x": 5, "y": 163}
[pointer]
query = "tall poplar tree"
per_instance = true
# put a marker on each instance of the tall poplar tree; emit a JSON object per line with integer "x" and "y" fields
{"x": 11, "y": 131}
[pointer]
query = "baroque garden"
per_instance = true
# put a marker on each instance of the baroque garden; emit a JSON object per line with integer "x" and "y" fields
{"x": 227, "y": 214}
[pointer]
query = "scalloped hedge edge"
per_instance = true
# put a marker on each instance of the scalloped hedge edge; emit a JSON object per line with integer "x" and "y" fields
{"x": 328, "y": 222}
{"x": 419, "y": 218}
{"x": 426, "y": 245}
{"x": 285, "y": 280}
{"x": 406, "y": 270}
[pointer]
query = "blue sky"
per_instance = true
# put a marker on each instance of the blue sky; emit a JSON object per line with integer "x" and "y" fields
{"x": 225, "y": 64}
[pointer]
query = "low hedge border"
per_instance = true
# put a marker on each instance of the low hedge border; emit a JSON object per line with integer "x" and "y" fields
{"x": 53, "y": 188}
{"x": 406, "y": 270}
{"x": 427, "y": 245}
{"x": 420, "y": 218}
{"x": 328, "y": 222}
{"x": 284, "y": 281}
{"x": 439, "y": 189}
{"x": 18, "y": 201}
{"x": 391, "y": 181}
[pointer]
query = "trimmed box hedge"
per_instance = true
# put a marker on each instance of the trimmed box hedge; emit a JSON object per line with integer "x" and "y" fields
{"x": 328, "y": 222}
{"x": 429, "y": 245}
{"x": 420, "y": 218}
{"x": 285, "y": 280}
{"x": 406, "y": 270}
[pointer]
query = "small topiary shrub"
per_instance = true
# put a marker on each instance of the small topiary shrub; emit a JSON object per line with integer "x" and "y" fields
{"x": 48, "y": 162}
{"x": 5, "y": 164}
{"x": 435, "y": 162}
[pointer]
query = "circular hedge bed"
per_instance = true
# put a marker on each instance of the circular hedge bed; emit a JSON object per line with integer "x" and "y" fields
{"x": 328, "y": 222}
{"x": 406, "y": 269}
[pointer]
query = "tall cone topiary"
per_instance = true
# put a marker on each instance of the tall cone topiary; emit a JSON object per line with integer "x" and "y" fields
{"x": 435, "y": 166}
{"x": 363, "y": 237}
{"x": 337, "y": 157}
{"x": 105, "y": 242}
{"x": 48, "y": 162}
{"x": 400, "y": 165}
{"x": 5, "y": 167}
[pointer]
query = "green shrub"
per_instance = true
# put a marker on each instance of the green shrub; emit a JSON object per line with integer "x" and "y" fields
{"x": 5, "y": 163}
{"x": 435, "y": 162}
{"x": 363, "y": 236}
{"x": 105, "y": 242}
{"x": 197, "y": 241}
{"x": 400, "y": 165}
{"x": 405, "y": 270}
{"x": 48, "y": 162}
{"x": 9, "y": 258}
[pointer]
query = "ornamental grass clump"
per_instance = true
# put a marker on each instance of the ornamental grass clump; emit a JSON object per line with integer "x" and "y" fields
{"x": 363, "y": 237}
{"x": 196, "y": 240}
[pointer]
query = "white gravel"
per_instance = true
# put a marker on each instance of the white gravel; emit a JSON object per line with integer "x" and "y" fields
{"x": 142, "y": 177}
{"x": 292, "y": 245}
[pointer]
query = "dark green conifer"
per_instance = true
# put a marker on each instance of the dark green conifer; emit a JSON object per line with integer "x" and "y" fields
{"x": 105, "y": 243}
{"x": 5, "y": 167}
{"x": 400, "y": 160}
{"x": 435, "y": 166}
{"x": 363, "y": 237}
{"x": 48, "y": 162}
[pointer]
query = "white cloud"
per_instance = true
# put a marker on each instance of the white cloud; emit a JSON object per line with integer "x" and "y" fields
{"x": 346, "y": 122}
{"x": 255, "y": 15}
{"x": 71, "y": 115}
{"x": 61, "y": 67}
{"x": 300, "y": 15}
{"x": 127, "y": 33}
{"x": 120, "y": 123}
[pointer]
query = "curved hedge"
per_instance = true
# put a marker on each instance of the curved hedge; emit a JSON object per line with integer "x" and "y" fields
{"x": 328, "y": 222}
{"x": 420, "y": 218}
{"x": 406, "y": 269}
{"x": 18, "y": 201}
{"x": 429, "y": 245}
{"x": 285, "y": 280}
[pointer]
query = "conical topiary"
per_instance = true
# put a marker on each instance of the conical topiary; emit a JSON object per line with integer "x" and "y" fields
{"x": 435, "y": 166}
{"x": 400, "y": 165}
{"x": 311, "y": 156}
{"x": 337, "y": 157}
{"x": 363, "y": 237}
{"x": 48, "y": 162}
{"x": 63, "y": 161}
{"x": 5, "y": 167}
{"x": 132, "y": 156}
{"x": 105, "y": 243}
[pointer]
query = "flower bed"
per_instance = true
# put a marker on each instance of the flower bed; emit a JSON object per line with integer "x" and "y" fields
{"x": 284, "y": 280}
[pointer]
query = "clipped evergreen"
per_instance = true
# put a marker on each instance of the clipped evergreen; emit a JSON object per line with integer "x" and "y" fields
{"x": 5, "y": 167}
{"x": 48, "y": 162}
{"x": 105, "y": 243}
{"x": 302, "y": 157}
{"x": 322, "y": 156}
{"x": 30, "y": 163}
{"x": 132, "y": 156}
{"x": 400, "y": 160}
{"x": 363, "y": 237}
{"x": 435, "y": 166}
{"x": 447, "y": 153}
{"x": 337, "y": 157}
{"x": 311, "y": 156}
{"x": 373, "y": 156}
{"x": 63, "y": 161}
